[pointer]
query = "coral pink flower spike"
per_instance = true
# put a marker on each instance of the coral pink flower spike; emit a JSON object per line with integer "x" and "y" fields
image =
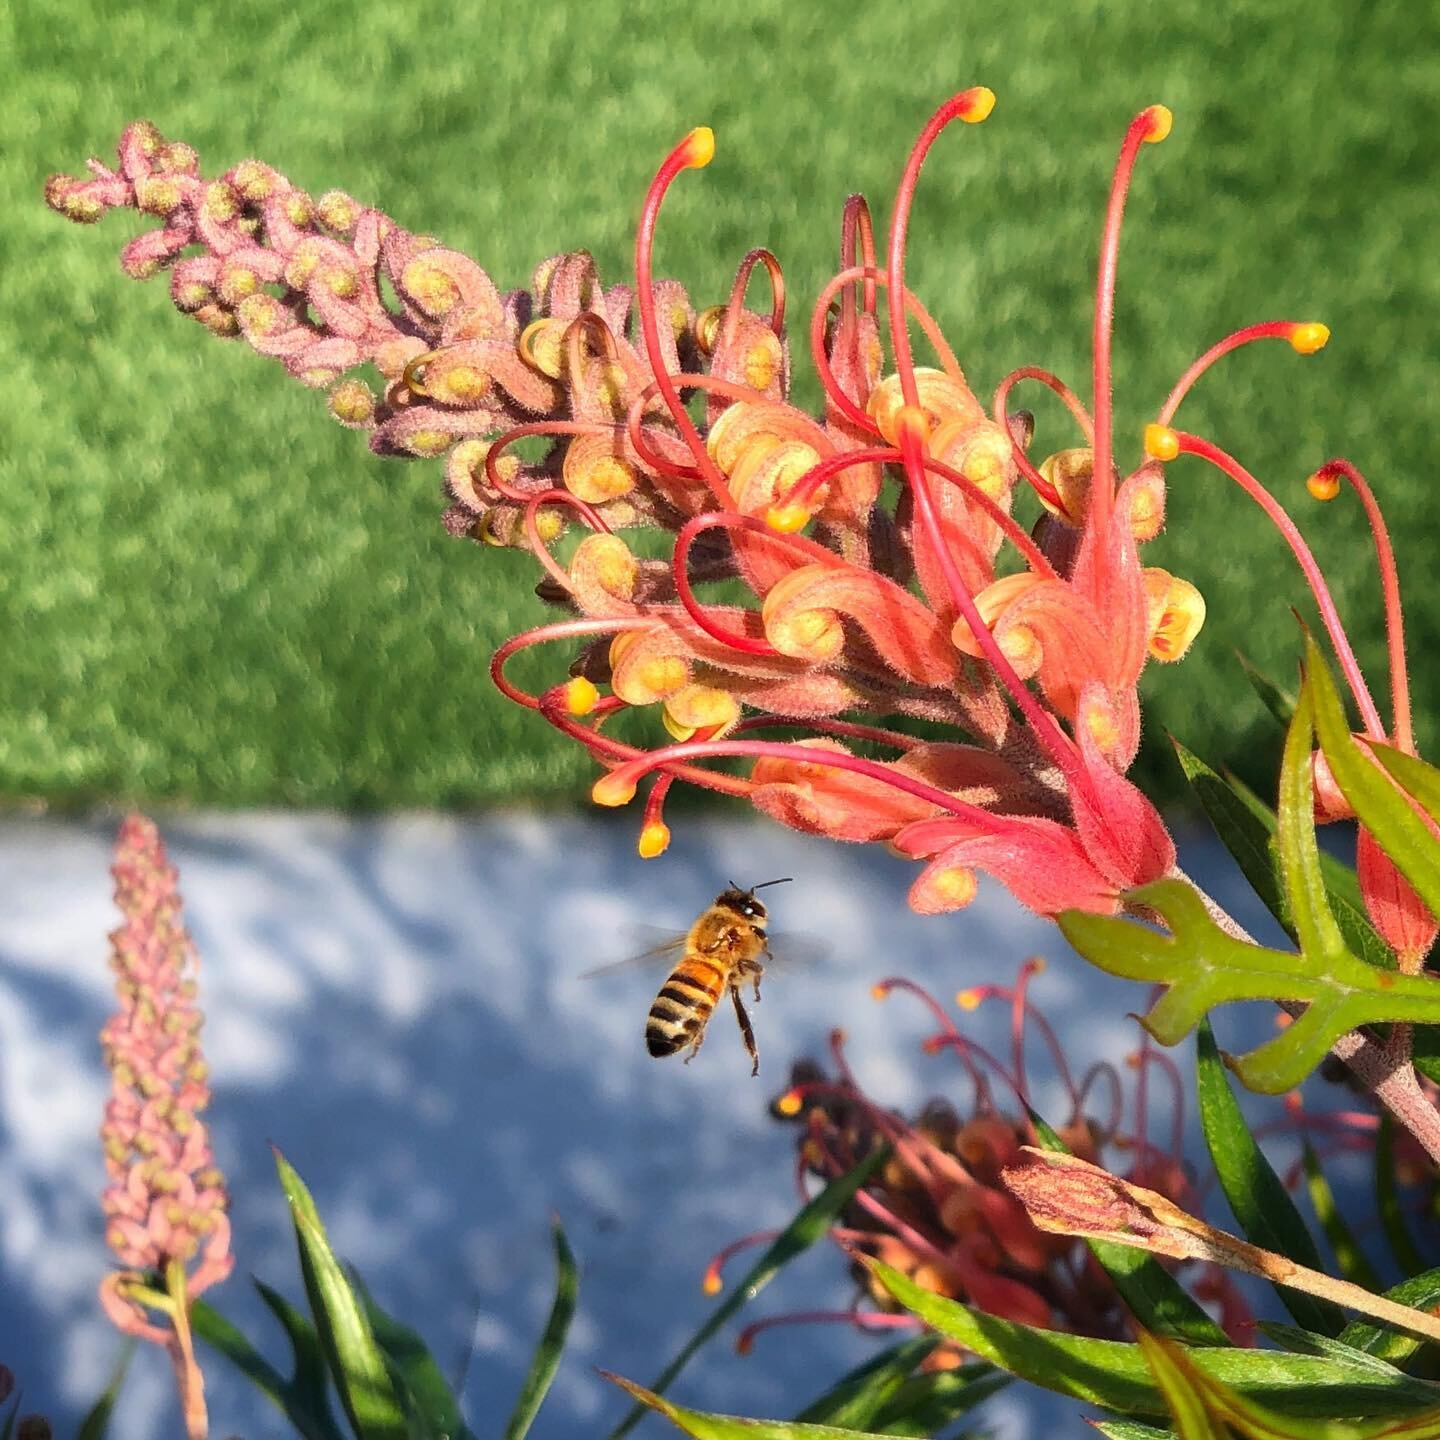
{"x": 848, "y": 607}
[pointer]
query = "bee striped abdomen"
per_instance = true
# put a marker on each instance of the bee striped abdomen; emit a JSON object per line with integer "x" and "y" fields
{"x": 684, "y": 1005}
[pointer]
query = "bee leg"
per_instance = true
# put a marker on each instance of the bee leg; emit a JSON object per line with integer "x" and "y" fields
{"x": 695, "y": 1048}
{"x": 746, "y": 1033}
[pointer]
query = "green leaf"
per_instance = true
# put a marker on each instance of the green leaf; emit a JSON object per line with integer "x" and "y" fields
{"x": 1261, "y": 1204}
{"x": 1247, "y": 827}
{"x": 1114, "y": 1374}
{"x": 356, "y": 1362}
{"x": 811, "y": 1222}
{"x": 97, "y": 1421}
{"x": 1130, "y": 1430}
{"x": 428, "y": 1400}
{"x": 732, "y": 1427}
{"x": 1203, "y": 967}
{"x": 8, "y": 1428}
{"x": 858, "y": 1395}
{"x": 1349, "y": 1257}
{"x": 310, "y": 1380}
{"x": 925, "y": 1404}
{"x": 1379, "y": 806}
{"x": 1387, "y": 1199}
{"x": 295, "y": 1398}
{"x": 552, "y": 1342}
{"x": 1155, "y": 1297}
{"x": 1279, "y": 701}
{"x": 1184, "y": 1400}
{"x": 1421, "y": 1293}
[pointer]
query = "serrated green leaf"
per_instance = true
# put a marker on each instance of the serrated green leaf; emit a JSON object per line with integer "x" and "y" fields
{"x": 1247, "y": 827}
{"x": 1260, "y": 1203}
{"x": 1349, "y": 1257}
{"x": 1387, "y": 1200}
{"x": 857, "y": 1396}
{"x": 1379, "y": 806}
{"x": 97, "y": 1419}
{"x": 810, "y": 1223}
{"x": 1114, "y": 1374}
{"x": 1395, "y": 1346}
{"x": 298, "y": 1404}
{"x": 546, "y": 1360}
{"x": 1202, "y": 967}
{"x": 1155, "y": 1297}
{"x": 732, "y": 1427}
{"x": 427, "y": 1398}
{"x": 1279, "y": 701}
{"x": 356, "y": 1363}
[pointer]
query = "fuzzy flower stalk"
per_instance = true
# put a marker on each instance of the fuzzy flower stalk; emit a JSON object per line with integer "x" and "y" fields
{"x": 165, "y": 1202}
{"x": 826, "y": 580}
{"x": 941, "y": 1210}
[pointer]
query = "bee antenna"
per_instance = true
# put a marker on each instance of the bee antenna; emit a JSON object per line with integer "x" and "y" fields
{"x": 784, "y": 880}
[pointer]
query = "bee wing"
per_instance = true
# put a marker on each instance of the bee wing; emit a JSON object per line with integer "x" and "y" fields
{"x": 796, "y": 949}
{"x": 655, "y": 945}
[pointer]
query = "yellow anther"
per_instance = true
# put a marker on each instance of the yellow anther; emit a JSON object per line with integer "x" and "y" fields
{"x": 879, "y": 992}
{"x": 707, "y": 327}
{"x": 1309, "y": 337}
{"x": 982, "y": 102}
{"x": 1323, "y": 485}
{"x": 677, "y": 730}
{"x": 1160, "y": 122}
{"x": 789, "y": 1103}
{"x": 712, "y": 1283}
{"x": 654, "y": 840}
{"x": 1161, "y": 442}
{"x": 613, "y": 790}
{"x": 969, "y": 999}
{"x": 787, "y": 519}
{"x": 699, "y": 147}
{"x": 581, "y": 696}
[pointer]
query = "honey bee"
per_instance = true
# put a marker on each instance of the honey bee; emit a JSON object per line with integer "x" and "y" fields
{"x": 725, "y": 947}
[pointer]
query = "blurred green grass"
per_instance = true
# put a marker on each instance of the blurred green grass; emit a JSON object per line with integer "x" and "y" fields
{"x": 213, "y": 594}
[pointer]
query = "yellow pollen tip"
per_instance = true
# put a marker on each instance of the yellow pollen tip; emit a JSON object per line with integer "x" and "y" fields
{"x": 1161, "y": 442}
{"x": 789, "y": 1103}
{"x": 612, "y": 789}
{"x": 982, "y": 102}
{"x": 1160, "y": 122}
{"x": 879, "y": 992}
{"x": 712, "y": 1283}
{"x": 968, "y": 999}
{"x": 787, "y": 519}
{"x": 699, "y": 147}
{"x": 1310, "y": 337}
{"x": 654, "y": 841}
{"x": 1323, "y": 485}
{"x": 581, "y": 696}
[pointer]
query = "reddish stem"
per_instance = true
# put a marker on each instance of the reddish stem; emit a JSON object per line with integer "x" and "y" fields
{"x": 521, "y": 432}
{"x": 758, "y": 256}
{"x": 560, "y": 630}
{"x": 1038, "y": 482}
{"x": 1267, "y": 330}
{"x": 556, "y": 571}
{"x": 857, "y": 245}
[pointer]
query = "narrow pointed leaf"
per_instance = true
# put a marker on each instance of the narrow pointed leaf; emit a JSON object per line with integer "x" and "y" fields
{"x": 1113, "y": 1374}
{"x": 927, "y": 1403}
{"x": 856, "y": 1398}
{"x": 1155, "y": 1297}
{"x": 356, "y": 1362}
{"x": 1387, "y": 1200}
{"x": 1307, "y": 1342}
{"x": 310, "y": 1421}
{"x": 1380, "y": 807}
{"x": 1130, "y": 1430}
{"x": 810, "y": 1224}
{"x": 1395, "y": 1346}
{"x": 1279, "y": 701}
{"x": 1260, "y": 1203}
{"x": 732, "y": 1427}
{"x": 1349, "y": 1257}
{"x": 552, "y": 1342}
{"x": 426, "y": 1396}
{"x": 310, "y": 1380}
{"x": 97, "y": 1420}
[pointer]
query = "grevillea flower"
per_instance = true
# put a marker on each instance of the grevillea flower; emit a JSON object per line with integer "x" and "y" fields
{"x": 928, "y": 598}
{"x": 165, "y": 1203}
{"x": 938, "y": 1209}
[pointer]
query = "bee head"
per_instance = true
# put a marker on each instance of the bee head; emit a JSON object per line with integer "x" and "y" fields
{"x": 744, "y": 903}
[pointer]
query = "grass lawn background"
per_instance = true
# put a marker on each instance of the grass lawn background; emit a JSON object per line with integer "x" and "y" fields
{"x": 211, "y": 593}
